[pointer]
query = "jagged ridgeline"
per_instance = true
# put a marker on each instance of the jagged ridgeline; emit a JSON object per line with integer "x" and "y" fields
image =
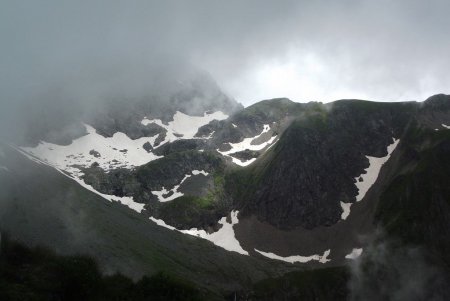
{"x": 278, "y": 186}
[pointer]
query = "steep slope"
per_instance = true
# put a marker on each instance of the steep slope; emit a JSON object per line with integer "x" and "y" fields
{"x": 318, "y": 187}
{"x": 415, "y": 207}
{"x": 407, "y": 257}
{"x": 312, "y": 167}
{"x": 301, "y": 180}
{"x": 41, "y": 206}
{"x": 40, "y": 274}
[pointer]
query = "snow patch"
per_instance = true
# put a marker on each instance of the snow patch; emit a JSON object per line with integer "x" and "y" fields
{"x": 298, "y": 258}
{"x": 116, "y": 151}
{"x": 111, "y": 152}
{"x": 355, "y": 253}
{"x": 170, "y": 194}
{"x": 235, "y": 126}
{"x": 162, "y": 223}
{"x": 209, "y": 136}
{"x": 224, "y": 237}
{"x": 247, "y": 144}
{"x": 243, "y": 163}
{"x": 198, "y": 172}
{"x": 185, "y": 125}
{"x": 165, "y": 195}
{"x": 345, "y": 210}
{"x": 127, "y": 201}
{"x": 446, "y": 126}
{"x": 369, "y": 177}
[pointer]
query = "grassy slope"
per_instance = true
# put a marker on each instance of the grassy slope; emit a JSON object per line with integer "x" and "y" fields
{"x": 40, "y": 206}
{"x": 320, "y": 285}
{"x": 40, "y": 274}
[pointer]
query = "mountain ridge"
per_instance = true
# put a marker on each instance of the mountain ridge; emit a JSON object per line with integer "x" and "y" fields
{"x": 289, "y": 182}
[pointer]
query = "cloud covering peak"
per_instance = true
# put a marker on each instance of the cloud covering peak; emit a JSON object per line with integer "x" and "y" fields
{"x": 305, "y": 50}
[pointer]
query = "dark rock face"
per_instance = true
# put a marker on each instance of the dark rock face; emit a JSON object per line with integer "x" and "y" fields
{"x": 313, "y": 165}
{"x": 120, "y": 117}
{"x": 204, "y": 201}
{"x": 223, "y": 130}
{"x": 179, "y": 146}
{"x": 147, "y": 146}
{"x": 165, "y": 172}
{"x": 435, "y": 111}
{"x": 160, "y": 138}
{"x": 415, "y": 207}
{"x": 94, "y": 153}
{"x": 245, "y": 155}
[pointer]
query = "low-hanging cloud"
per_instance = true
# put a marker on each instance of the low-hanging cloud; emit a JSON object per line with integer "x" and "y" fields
{"x": 308, "y": 50}
{"x": 392, "y": 270}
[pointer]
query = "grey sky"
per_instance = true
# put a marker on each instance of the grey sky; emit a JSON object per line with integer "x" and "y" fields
{"x": 305, "y": 50}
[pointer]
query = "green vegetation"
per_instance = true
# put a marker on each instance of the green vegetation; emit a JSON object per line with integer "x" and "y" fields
{"x": 240, "y": 183}
{"x": 415, "y": 207}
{"x": 188, "y": 211}
{"x": 320, "y": 284}
{"x": 39, "y": 274}
{"x": 185, "y": 205}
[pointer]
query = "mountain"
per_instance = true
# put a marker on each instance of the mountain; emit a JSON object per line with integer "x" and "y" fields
{"x": 286, "y": 193}
{"x": 61, "y": 117}
{"x": 42, "y": 207}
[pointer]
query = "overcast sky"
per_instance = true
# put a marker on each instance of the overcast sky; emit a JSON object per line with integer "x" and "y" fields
{"x": 304, "y": 50}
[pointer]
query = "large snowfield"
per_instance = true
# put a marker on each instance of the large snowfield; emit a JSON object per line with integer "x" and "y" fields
{"x": 185, "y": 126}
{"x": 109, "y": 152}
{"x": 118, "y": 150}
